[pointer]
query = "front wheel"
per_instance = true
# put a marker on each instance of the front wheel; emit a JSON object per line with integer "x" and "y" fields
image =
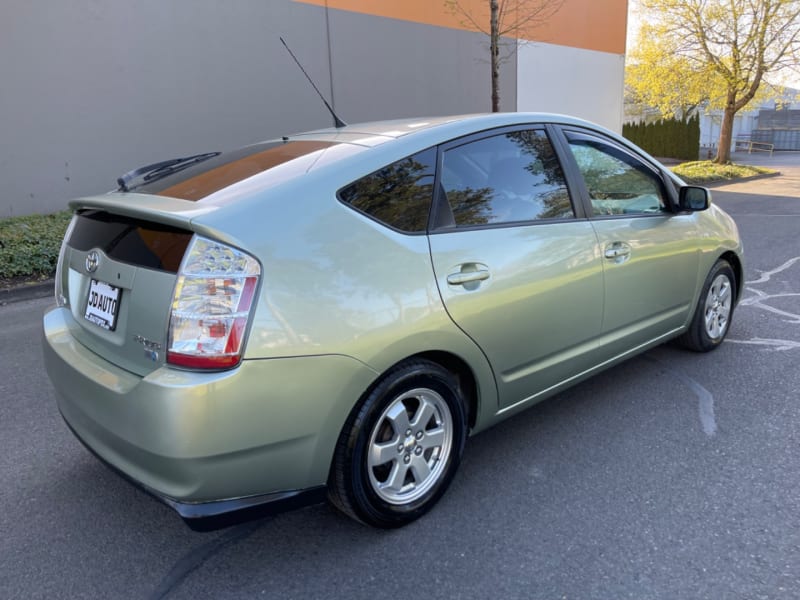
{"x": 712, "y": 317}
{"x": 401, "y": 446}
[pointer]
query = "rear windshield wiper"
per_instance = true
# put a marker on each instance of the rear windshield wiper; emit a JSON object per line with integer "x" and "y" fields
{"x": 161, "y": 169}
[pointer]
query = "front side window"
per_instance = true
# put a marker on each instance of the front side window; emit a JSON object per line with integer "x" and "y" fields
{"x": 399, "y": 195}
{"x": 504, "y": 179}
{"x": 617, "y": 183}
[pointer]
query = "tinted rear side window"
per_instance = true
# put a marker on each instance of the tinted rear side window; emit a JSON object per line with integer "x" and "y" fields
{"x": 131, "y": 241}
{"x": 398, "y": 195}
{"x": 506, "y": 178}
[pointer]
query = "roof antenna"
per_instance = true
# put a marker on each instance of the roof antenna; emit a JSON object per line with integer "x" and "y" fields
{"x": 336, "y": 120}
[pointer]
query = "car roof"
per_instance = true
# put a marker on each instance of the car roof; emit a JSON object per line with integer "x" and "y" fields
{"x": 378, "y": 132}
{"x": 340, "y": 155}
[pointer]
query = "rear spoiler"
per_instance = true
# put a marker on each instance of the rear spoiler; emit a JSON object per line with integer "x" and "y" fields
{"x": 170, "y": 211}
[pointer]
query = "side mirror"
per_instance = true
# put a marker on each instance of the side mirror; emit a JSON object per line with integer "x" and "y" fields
{"x": 694, "y": 198}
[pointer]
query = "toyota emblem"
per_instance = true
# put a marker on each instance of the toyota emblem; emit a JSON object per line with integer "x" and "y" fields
{"x": 92, "y": 261}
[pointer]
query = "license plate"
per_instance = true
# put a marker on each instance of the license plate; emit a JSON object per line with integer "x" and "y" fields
{"x": 102, "y": 305}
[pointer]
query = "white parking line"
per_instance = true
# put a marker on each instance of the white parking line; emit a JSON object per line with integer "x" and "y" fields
{"x": 759, "y": 302}
{"x": 766, "y": 275}
{"x": 774, "y": 344}
{"x": 759, "y": 299}
{"x": 705, "y": 399}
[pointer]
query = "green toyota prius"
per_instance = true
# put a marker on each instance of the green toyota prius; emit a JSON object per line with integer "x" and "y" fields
{"x": 333, "y": 313}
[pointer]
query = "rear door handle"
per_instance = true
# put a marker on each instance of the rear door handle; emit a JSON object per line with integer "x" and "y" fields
{"x": 470, "y": 273}
{"x": 618, "y": 252}
{"x": 467, "y": 277}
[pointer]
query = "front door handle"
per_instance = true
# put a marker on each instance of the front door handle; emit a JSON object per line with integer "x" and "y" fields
{"x": 470, "y": 273}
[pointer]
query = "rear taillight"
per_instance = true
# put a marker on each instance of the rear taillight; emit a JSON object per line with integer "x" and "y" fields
{"x": 211, "y": 306}
{"x": 60, "y": 288}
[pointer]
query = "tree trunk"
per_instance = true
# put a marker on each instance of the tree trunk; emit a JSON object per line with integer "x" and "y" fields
{"x": 494, "y": 50}
{"x": 726, "y": 134}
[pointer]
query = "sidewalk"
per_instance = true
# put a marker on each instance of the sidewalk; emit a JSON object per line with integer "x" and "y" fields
{"x": 778, "y": 160}
{"x": 787, "y": 184}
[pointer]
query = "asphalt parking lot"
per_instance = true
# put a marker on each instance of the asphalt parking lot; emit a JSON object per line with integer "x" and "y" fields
{"x": 674, "y": 475}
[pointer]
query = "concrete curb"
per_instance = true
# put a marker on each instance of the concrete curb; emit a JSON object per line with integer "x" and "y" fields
{"x": 27, "y": 291}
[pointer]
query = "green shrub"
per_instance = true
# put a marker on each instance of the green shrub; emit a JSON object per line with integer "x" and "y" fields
{"x": 705, "y": 171}
{"x": 667, "y": 138}
{"x": 29, "y": 245}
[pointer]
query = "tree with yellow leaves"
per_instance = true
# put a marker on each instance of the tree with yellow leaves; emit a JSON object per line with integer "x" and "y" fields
{"x": 716, "y": 51}
{"x": 657, "y": 76}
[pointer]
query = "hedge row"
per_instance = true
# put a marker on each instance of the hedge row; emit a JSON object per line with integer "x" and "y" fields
{"x": 29, "y": 245}
{"x": 669, "y": 138}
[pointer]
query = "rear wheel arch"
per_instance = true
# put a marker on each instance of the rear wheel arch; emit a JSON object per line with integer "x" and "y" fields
{"x": 427, "y": 398}
{"x": 463, "y": 374}
{"x": 457, "y": 367}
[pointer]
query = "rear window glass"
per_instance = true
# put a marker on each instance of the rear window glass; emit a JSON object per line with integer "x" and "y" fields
{"x": 131, "y": 241}
{"x": 203, "y": 179}
{"x": 398, "y": 195}
{"x": 507, "y": 178}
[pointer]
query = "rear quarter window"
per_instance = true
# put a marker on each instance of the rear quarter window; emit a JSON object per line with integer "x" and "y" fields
{"x": 399, "y": 195}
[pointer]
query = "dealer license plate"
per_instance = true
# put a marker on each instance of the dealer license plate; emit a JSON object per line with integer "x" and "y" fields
{"x": 102, "y": 305}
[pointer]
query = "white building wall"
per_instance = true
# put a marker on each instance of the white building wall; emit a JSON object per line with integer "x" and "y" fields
{"x": 711, "y": 123}
{"x": 581, "y": 83}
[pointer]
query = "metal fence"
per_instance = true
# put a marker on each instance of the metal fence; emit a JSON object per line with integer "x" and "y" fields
{"x": 781, "y": 139}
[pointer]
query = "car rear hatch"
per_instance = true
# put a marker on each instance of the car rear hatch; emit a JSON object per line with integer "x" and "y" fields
{"x": 123, "y": 254}
{"x": 117, "y": 277}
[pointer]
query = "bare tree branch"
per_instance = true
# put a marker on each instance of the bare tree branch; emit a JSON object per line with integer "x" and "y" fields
{"x": 507, "y": 18}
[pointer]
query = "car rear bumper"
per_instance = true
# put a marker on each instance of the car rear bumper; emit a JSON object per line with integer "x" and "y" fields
{"x": 207, "y": 443}
{"x": 204, "y": 516}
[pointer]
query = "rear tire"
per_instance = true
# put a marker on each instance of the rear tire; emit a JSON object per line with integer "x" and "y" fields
{"x": 712, "y": 317}
{"x": 400, "y": 447}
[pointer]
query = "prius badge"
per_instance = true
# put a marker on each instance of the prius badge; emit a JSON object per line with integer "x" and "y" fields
{"x": 151, "y": 348}
{"x": 92, "y": 261}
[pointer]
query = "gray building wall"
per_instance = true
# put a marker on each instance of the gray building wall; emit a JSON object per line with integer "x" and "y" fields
{"x": 90, "y": 89}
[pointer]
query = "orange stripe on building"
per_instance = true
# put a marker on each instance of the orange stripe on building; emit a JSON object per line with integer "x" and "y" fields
{"x": 589, "y": 24}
